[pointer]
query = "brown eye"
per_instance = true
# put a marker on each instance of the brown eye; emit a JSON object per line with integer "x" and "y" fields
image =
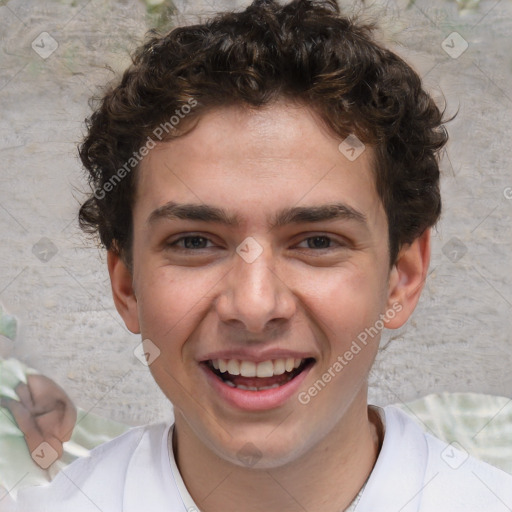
{"x": 320, "y": 242}
{"x": 190, "y": 242}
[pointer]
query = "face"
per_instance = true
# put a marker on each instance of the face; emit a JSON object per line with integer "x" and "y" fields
{"x": 257, "y": 241}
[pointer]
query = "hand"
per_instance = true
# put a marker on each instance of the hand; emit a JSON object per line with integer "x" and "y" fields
{"x": 44, "y": 413}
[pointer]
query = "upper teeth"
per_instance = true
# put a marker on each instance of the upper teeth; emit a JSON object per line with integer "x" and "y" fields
{"x": 250, "y": 369}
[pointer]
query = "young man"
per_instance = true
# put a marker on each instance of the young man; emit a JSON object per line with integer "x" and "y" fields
{"x": 265, "y": 184}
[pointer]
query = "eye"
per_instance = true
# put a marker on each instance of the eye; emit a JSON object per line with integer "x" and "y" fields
{"x": 321, "y": 242}
{"x": 190, "y": 242}
{"x": 199, "y": 242}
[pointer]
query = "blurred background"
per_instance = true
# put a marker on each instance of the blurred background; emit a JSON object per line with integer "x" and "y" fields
{"x": 57, "y": 312}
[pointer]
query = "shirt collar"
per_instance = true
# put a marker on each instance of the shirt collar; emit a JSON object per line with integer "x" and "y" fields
{"x": 397, "y": 478}
{"x": 404, "y": 446}
{"x": 155, "y": 487}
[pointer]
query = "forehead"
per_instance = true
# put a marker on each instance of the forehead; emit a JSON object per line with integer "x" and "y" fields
{"x": 281, "y": 155}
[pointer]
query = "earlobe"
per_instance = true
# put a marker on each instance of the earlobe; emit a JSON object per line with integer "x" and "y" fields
{"x": 407, "y": 279}
{"x": 121, "y": 281}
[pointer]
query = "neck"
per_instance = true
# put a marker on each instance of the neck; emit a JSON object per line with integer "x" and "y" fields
{"x": 327, "y": 478}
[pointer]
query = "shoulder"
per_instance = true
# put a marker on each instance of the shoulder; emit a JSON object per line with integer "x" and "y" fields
{"x": 452, "y": 479}
{"x": 95, "y": 481}
{"x": 465, "y": 481}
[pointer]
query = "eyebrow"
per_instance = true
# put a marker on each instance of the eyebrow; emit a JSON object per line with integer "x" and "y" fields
{"x": 293, "y": 215}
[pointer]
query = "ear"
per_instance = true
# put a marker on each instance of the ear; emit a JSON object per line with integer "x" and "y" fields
{"x": 125, "y": 300}
{"x": 406, "y": 280}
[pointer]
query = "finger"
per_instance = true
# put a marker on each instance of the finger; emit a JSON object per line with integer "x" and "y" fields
{"x": 23, "y": 392}
{"x": 34, "y": 436}
{"x": 55, "y": 413}
{"x": 26, "y": 423}
{"x": 59, "y": 422}
{"x": 46, "y": 394}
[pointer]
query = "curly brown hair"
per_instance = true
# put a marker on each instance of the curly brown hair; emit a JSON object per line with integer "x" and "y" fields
{"x": 306, "y": 51}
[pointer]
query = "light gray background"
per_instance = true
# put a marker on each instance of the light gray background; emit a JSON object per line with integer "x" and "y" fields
{"x": 459, "y": 338}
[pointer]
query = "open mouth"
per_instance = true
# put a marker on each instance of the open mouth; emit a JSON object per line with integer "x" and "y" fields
{"x": 250, "y": 376}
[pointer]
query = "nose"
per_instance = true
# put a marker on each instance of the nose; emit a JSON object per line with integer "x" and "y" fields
{"x": 254, "y": 295}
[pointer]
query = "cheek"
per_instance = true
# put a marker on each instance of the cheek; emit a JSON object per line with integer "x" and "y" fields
{"x": 170, "y": 307}
{"x": 345, "y": 301}
{"x": 346, "y": 306}
{"x": 171, "y": 303}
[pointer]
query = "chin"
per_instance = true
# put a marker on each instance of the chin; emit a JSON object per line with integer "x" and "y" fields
{"x": 261, "y": 452}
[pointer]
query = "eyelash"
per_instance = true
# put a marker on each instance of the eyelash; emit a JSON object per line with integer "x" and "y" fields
{"x": 175, "y": 243}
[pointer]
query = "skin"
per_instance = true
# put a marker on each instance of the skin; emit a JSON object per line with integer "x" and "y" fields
{"x": 44, "y": 413}
{"x": 297, "y": 295}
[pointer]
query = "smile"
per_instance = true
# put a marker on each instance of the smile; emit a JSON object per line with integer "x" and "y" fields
{"x": 251, "y": 376}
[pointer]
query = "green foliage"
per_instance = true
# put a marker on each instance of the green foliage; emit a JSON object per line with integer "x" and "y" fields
{"x": 159, "y": 13}
{"x": 8, "y": 325}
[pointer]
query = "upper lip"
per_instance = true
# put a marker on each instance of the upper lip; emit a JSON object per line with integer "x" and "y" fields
{"x": 256, "y": 356}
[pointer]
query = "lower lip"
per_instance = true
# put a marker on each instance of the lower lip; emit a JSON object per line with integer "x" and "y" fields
{"x": 255, "y": 400}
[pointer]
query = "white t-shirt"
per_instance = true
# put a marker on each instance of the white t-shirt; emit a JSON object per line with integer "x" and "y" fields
{"x": 415, "y": 472}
